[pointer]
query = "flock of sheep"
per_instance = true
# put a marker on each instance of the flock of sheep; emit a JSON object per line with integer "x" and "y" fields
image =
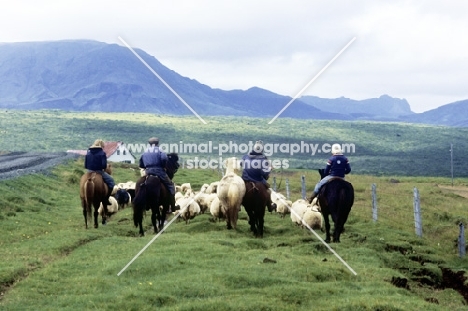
{"x": 213, "y": 199}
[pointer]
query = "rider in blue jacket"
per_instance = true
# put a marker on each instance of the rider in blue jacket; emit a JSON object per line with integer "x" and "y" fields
{"x": 154, "y": 160}
{"x": 257, "y": 168}
{"x": 337, "y": 167}
{"x": 96, "y": 161}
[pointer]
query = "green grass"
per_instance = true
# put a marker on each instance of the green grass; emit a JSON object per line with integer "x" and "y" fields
{"x": 51, "y": 262}
{"x": 381, "y": 148}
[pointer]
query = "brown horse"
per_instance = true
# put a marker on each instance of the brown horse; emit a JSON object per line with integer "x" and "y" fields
{"x": 93, "y": 192}
{"x": 151, "y": 194}
{"x": 336, "y": 198}
{"x": 254, "y": 201}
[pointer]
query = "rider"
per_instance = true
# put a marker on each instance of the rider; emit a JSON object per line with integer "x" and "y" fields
{"x": 337, "y": 167}
{"x": 96, "y": 161}
{"x": 154, "y": 160}
{"x": 257, "y": 168}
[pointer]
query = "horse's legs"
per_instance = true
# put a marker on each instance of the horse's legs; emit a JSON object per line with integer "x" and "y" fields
{"x": 260, "y": 221}
{"x": 154, "y": 216}
{"x": 85, "y": 213}
{"x": 96, "y": 215}
{"x": 162, "y": 217}
{"x": 327, "y": 228}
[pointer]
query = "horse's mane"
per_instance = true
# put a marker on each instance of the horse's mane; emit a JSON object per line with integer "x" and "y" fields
{"x": 172, "y": 164}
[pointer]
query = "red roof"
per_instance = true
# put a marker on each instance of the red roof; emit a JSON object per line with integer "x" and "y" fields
{"x": 109, "y": 148}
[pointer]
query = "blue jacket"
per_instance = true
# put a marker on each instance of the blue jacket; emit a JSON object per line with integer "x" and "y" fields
{"x": 256, "y": 167}
{"x": 337, "y": 165}
{"x": 153, "y": 160}
{"x": 95, "y": 159}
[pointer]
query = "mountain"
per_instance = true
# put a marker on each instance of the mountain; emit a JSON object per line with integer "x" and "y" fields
{"x": 453, "y": 114}
{"x": 384, "y": 107}
{"x": 94, "y": 76}
{"x": 86, "y": 75}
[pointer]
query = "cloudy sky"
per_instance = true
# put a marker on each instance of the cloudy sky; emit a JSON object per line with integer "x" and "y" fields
{"x": 406, "y": 49}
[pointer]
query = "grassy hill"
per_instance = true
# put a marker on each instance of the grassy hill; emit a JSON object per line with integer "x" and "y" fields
{"x": 382, "y": 149}
{"x": 51, "y": 262}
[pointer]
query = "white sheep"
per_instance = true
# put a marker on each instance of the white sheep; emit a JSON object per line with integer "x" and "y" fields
{"x": 215, "y": 209}
{"x": 231, "y": 191}
{"x": 178, "y": 195}
{"x": 212, "y": 187}
{"x": 282, "y": 204}
{"x": 111, "y": 209}
{"x": 188, "y": 208}
{"x": 298, "y": 208}
{"x": 185, "y": 187}
{"x": 204, "y": 200}
{"x": 313, "y": 216}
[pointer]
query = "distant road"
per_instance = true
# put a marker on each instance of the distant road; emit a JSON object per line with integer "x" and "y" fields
{"x": 17, "y": 164}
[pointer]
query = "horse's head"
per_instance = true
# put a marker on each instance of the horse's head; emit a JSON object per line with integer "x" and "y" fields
{"x": 233, "y": 165}
{"x": 172, "y": 164}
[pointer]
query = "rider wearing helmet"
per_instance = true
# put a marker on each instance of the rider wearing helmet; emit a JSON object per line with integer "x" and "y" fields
{"x": 337, "y": 167}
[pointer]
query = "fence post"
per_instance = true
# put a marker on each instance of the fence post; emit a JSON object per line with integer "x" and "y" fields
{"x": 287, "y": 188}
{"x": 417, "y": 213}
{"x": 303, "y": 187}
{"x": 274, "y": 183}
{"x": 461, "y": 241}
{"x": 374, "y": 202}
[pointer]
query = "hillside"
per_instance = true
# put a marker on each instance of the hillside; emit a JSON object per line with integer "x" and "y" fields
{"x": 380, "y": 148}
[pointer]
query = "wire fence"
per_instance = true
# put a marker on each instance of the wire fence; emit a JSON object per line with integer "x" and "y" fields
{"x": 382, "y": 210}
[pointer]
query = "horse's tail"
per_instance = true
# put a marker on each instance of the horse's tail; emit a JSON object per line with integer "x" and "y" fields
{"x": 234, "y": 201}
{"x": 139, "y": 204}
{"x": 89, "y": 194}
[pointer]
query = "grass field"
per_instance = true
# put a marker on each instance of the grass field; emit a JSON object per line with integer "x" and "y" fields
{"x": 381, "y": 148}
{"x": 51, "y": 262}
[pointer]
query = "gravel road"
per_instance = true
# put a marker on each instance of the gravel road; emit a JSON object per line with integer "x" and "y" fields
{"x": 16, "y": 164}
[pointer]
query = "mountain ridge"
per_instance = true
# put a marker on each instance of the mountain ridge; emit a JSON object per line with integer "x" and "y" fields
{"x": 87, "y": 75}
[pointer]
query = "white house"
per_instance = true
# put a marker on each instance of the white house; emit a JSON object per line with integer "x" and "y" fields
{"x": 116, "y": 151}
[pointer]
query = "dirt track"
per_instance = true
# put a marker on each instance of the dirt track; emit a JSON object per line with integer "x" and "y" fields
{"x": 16, "y": 164}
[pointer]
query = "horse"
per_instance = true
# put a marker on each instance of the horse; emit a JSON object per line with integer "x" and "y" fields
{"x": 254, "y": 202}
{"x": 93, "y": 192}
{"x": 336, "y": 198}
{"x": 230, "y": 191}
{"x": 150, "y": 194}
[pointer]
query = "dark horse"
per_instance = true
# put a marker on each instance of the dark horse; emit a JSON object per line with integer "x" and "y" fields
{"x": 93, "y": 192}
{"x": 254, "y": 202}
{"x": 336, "y": 198}
{"x": 150, "y": 194}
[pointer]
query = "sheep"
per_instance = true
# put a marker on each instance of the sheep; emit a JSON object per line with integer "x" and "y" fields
{"x": 129, "y": 186}
{"x": 123, "y": 198}
{"x": 282, "y": 204}
{"x": 215, "y": 209}
{"x": 111, "y": 209}
{"x": 231, "y": 191}
{"x": 184, "y": 187}
{"x": 178, "y": 195}
{"x": 188, "y": 208}
{"x": 212, "y": 187}
{"x": 298, "y": 208}
{"x": 204, "y": 200}
{"x": 313, "y": 216}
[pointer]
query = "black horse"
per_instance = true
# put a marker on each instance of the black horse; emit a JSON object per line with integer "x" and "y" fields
{"x": 336, "y": 198}
{"x": 151, "y": 194}
{"x": 254, "y": 202}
